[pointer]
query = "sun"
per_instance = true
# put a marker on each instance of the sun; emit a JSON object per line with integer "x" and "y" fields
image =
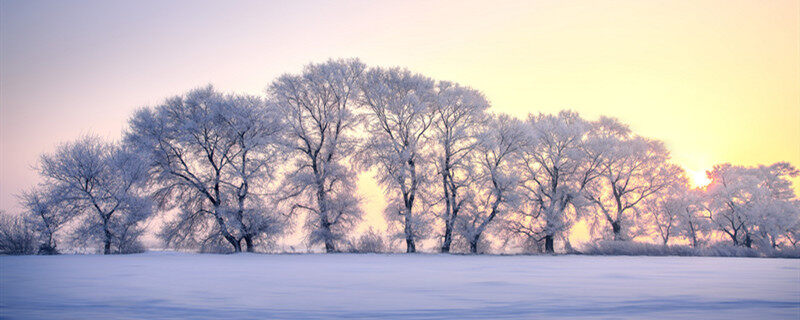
{"x": 699, "y": 178}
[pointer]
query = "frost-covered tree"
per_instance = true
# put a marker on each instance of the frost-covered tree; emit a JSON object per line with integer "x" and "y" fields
{"x": 102, "y": 183}
{"x": 16, "y": 235}
{"x": 399, "y": 105}
{"x": 211, "y": 156}
{"x": 779, "y": 209}
{"x": 752, "y": 204}
{"x": 495, "y": 190}
{"x": 556, "y": 170}
{"x": 631, "y": 169}
{"x": 692, "y": 224}
{"x": 48, "y": 210}
{"x": 459, "y": 117}
{"x": 677, "y": 211}
{"x": 318, "y": 107}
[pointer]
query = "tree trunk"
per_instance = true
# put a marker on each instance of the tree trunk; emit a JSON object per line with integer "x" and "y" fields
{"x": 448, "y": 238}
{"x": 748, "y": 242}
{"x": 549, "y": 244}
{"x": 237, "y": 247}
{"x": 448, "y": 231}
{"x": 734, "y": 237}
{"x": 473, "y": 246}
{"x": 617, "y": 231}
{"x": 411, "y": 247}
{"x": 107, "y": 237}
{"x": 329, "y": 246}
{"x": 248, "y": 240}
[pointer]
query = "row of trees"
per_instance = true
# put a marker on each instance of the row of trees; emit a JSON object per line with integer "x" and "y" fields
{"x": 237, "y": 171}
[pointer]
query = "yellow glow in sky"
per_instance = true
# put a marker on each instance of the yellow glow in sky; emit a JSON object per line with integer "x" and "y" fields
{"x": 718, "y": 81}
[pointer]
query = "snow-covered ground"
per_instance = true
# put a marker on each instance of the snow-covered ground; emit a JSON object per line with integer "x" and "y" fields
{"x": 317, "y": 286}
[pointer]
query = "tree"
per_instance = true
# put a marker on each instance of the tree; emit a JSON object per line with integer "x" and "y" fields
{"x": 691, "y": 223}
{"x": 495, "y": 190}
{"x": 399, "y": 106}
{"x": 210, "y": 155}
{"x": 16, "y": 235}
{"x": 728, "y": 200}
{"x": 48, "y": 210}
{"x": 631, "y": 169}
{"x": 676, "y": 212}
{"x": 102, "y": 183}
{"x": 752, "y": 204}
{"x": 458, "y": 117}
{"x": 318, "y": 107}
{"x": 556, "y": 171}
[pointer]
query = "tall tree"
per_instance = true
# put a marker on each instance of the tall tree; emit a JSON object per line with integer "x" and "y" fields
{"x": 557, "y": 170}
{"x": 458, "y": 118}
{"x": 495, "y": 189}
{"x": 399, "y": 105}
{"x": 208, "y": 152}
{"x": 318, "y": 107}
{"x": 102, "y": 182}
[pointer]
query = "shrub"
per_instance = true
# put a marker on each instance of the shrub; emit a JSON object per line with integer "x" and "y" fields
{"x": 369, "y": 242}
{"x": 726, "y": 250}
{"x": 631, "y": 248}
{"x": 16, "y": 235}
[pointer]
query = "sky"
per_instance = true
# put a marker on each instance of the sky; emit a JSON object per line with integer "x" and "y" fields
{"x": 717, "y": 81}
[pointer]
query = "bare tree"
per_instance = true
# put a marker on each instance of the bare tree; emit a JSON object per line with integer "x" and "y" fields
{"x": 318, "y": 107}
{"x": 458, "y": 117}
{"x": 211, "y": 155}
{"x": 399, "y": 104}
{"x": 102, "y": 182}
{"x": 495, "y": 190}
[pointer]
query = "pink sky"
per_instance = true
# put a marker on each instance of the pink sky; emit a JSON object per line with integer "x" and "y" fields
{"x": 718, "y": 81}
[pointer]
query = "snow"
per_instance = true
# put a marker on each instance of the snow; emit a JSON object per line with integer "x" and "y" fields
{"x": 400, "y": 286}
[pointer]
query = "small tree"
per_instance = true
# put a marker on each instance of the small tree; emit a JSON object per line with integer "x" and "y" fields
{"x": 675, "y": 212}
{"x": 102, "y": 182}
{"x": 16, "y": 235}
{"x": 48, "y": 210}
{"x": 691, "y": 222}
